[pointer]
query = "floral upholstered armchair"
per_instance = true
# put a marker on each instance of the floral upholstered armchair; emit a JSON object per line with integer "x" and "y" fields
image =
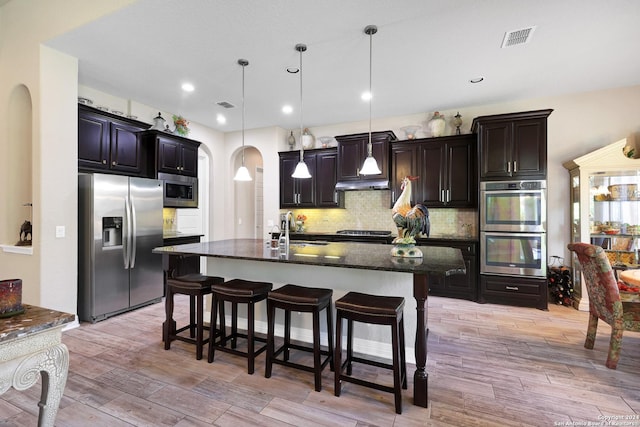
{"x": 604, "y": 300}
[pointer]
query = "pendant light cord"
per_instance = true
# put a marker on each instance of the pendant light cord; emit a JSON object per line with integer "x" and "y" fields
{"x": 369, "y": 147}
{"x": 243, "y": 65}
{"x": 301, "y": 48}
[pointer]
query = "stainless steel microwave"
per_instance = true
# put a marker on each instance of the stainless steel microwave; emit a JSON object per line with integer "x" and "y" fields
{"x": 179, "y": 191}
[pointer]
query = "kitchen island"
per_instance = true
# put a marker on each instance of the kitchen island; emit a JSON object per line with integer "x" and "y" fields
{"x": 363, "y": 267}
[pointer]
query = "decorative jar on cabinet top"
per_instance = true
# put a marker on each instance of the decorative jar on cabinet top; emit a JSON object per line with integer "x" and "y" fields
{"x": 437, "y": 124}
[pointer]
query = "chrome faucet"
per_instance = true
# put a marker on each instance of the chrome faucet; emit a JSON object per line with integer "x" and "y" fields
{"x": 284, "y": 244}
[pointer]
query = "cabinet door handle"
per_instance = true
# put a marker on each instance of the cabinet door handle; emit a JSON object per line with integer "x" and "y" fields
{"x": 113, "y": 163}
{"x": 442, "y": 196}
{"x": 511, "y": 288}
{"x": 515, "y": 166}
{"x": 335, "y": 197}
{"x": 104, "y": 162}
{"x": 393, "y": 195}
{"x": 358, "y": 172}
{"x": 508, "y": 167}
{"x": 448, "y": 196}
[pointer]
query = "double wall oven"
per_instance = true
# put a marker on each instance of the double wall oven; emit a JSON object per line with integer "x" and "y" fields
{"x": 513, "y": 219}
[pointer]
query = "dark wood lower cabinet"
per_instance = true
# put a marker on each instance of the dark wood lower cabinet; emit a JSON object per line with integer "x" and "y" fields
{"x": 188, "y": 265}
{"x": 521, "y": 291}
{"x": 462, "y": 286}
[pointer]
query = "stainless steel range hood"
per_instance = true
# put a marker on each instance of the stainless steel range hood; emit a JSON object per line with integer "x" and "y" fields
{"x": 382, "y": 184}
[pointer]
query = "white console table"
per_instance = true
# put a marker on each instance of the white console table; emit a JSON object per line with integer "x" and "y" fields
{"x": 30, "y": 347}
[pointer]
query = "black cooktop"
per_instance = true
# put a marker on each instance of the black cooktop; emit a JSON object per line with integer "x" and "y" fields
{"x": 364, "y": 232}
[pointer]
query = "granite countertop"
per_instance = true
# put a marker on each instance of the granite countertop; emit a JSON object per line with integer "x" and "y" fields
{"x": 389, "y": 239}
{"x": 179, "y": 234}
{"x": 33, "y": 320}
{"x": 369, "y": 256}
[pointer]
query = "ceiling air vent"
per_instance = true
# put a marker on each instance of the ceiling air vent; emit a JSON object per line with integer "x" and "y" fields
{"x": 516, "y": 37}
{"x": 225, "y": 104}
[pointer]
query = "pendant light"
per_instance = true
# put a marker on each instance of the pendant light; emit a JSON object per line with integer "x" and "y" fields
{"x": 243, "y": 173}
{"x": 370, "y": 166}
{"x": 301, "y": 171}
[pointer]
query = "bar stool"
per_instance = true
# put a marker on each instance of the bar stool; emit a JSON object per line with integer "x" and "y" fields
{"x": 238, "y": 291}
{"x": 379, "y": 310}
{"x": 196, "y": 286}
{"x": 308, "y": 300}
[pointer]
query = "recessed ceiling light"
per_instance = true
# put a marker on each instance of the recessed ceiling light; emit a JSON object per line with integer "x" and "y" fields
{"x": 366, "y": 96}
{"x": 221, "y": 119}
{"x": 293, "y": 70}
{"x": 476, "y": 79}
{"x": 188, "y": 87}
{"x": 287, "y": 109}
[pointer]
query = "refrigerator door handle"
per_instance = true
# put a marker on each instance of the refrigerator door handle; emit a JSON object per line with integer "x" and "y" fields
{"x": 134, "y": 233}
{"x": 127, "y": 233}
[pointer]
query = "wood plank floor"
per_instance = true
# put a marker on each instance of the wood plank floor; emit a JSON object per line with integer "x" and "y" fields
{"x": 488, "y": 365}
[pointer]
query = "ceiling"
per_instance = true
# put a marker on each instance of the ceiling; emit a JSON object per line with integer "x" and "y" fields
{"x": 424, "y": 54}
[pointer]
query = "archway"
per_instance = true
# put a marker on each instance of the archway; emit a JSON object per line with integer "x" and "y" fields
{"x": 17, "y": 165}
{"x": 248, "y": 196}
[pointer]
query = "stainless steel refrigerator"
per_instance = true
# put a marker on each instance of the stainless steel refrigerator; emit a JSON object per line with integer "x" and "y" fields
{"x": 119, "y": 223}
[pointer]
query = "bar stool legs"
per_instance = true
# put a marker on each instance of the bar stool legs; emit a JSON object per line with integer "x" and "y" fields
{"x": 196, "y": 286}
{"x": 310, "y": 300}
{"x": 236, "y": 292}
{"x": 380, "y": 310}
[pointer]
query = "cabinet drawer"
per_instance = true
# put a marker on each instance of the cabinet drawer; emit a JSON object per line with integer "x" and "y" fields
{"x": 516, "y": 288}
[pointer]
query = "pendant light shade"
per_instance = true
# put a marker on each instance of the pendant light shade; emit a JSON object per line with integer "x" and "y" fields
{"x": 370, "y": 166}
{"x": 301, "y": 171}
{"x": 243, "y": 173}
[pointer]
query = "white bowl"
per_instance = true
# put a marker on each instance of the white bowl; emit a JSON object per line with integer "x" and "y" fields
{"x": 410, "y": 131}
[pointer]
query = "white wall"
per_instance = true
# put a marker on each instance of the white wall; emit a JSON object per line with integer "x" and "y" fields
{"x": 49, "y": 274}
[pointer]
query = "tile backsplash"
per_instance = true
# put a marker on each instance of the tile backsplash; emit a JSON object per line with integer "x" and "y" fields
{"x": 370, "y": 210}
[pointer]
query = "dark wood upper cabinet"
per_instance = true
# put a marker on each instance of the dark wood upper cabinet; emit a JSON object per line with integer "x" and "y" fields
{"x": 126, "y": 149}
{"x": 315, "y": 192}
{"x": 432, "y": 171}
{"x": 174, "y": 154}
{"x": 327, "y": 171}
{"x": 461, "y": 189}
{"x": 109, "y": 143}
{"x": 352, "y": 151}
{"x": 295, "y": 192}
{"x": 404, "y": 162}
{"x": 512, "y": 145}
{"x": 445, "y": 166}
{"x": 93, "y": 140}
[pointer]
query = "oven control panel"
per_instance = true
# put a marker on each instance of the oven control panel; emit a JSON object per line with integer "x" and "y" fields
{"x": 513, "y": 185}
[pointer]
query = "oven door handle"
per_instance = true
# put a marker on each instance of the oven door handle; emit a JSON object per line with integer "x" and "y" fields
{"x": 490, "y": 192}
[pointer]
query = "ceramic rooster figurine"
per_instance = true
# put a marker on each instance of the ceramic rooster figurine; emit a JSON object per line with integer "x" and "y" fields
{"x": 410, "y": 221}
